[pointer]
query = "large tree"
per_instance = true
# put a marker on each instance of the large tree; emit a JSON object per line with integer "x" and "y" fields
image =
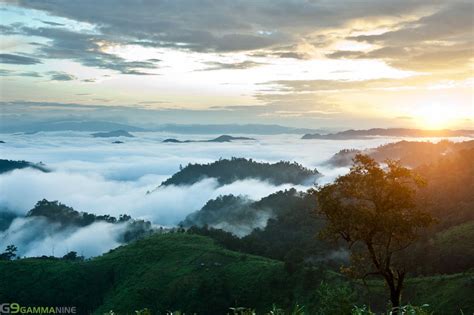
{"x": 374, "y": 209}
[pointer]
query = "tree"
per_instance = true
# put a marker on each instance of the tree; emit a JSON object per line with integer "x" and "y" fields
{"x": 9, "y": 253}
{"x": 375, "y": 211}
{"x": 72, "y": 256}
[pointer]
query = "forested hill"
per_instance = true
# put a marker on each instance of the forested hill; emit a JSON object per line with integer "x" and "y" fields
{"x": 389, "y": 132}
{"x": 227, "y": 171}
{"x": 10, "y": 165}
{"x": 410, "y": 153}
{"x": 60, "y": 217}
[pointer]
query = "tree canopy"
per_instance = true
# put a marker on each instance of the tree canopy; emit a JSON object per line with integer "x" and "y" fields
{"x": 374, "y": 210}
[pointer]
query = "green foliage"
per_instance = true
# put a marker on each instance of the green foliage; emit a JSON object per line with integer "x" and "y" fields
{"x": 361, "y": 310}
{"x": 288, "y": 236}
{"x": 174, "y": 271}
{"x": 376, "y": 213}
{"x": 334, "y": 299}
{"x": 228, "y": 171}
{"x": 404, "y": 310}
{"x": 9, "y": 253}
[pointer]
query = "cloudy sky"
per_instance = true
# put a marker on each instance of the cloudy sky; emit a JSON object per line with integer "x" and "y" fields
{"x": 327, "y": 63}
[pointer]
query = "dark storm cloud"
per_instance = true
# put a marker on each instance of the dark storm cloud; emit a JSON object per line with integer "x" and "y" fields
{"x": 18, "y": 59}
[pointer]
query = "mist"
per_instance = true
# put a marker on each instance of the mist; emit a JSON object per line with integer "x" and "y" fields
{"x": 93, "y": 175}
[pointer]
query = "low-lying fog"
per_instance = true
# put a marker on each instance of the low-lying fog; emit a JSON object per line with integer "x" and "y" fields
{"x": 98, "y": 176}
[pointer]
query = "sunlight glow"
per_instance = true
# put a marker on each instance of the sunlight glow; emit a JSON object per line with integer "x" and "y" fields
{"x": 435, "y": 116}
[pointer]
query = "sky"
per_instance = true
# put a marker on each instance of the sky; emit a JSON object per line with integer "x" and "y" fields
{"x": 314, "y": 64}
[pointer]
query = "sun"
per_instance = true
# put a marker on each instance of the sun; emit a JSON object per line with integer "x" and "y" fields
{"x": 434, "y": 116}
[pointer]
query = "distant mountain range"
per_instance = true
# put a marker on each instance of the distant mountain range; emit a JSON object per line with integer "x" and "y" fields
{"x": 87, "y": 125}
{"x": 410, "y": 153}
{"x": 390, "y": 132}
{"x": 223, "y": 138}
{"x": 257, "y": 129}
{"x": 111, "y": 134}
{"x": 64, "y": 125}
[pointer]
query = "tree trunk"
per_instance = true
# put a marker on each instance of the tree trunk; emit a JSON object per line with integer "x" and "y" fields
{"x": 395, "y": 297}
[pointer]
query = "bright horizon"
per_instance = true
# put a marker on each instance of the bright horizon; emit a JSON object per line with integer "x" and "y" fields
{"x": 300, "y": 63}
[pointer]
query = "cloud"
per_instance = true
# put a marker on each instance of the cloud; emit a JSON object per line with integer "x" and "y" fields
{"x": 32, "y": 74}
{"x": 95, "y": 176}
{"x": 18, "y": 59}
{"x": 85, "y": 48}
{"x": 61, "y": 76}
{"x": 5, "y": 72}
{"x": 93, "y": 193}
{"x": 438, "y": 41}
{"x": 52, "y": 23}
{"x": 220, "y": 26}
{"x": 232, "y": 66}
{"x": 36, "y": 237}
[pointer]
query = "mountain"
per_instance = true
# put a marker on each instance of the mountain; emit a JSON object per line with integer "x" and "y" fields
{"x": 256, "y": 129}
{"x": 64, "y": 125}
{"x": 227, "y": 138}
{"x": 110, "y": 134}
{"x": 390, "y": 132}
{"x": 410, "y": 153}
{"x": 277, "y": 226}
{"x": 227, "y": 171}
{"x": 10, "y": 165}
{"x": 223, "y": 138}
{"x": 63, "y": 217}
{"x": 230, "y": 213}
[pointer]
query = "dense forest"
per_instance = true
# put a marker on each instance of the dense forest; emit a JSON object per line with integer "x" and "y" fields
{"x": 227, "y": 171}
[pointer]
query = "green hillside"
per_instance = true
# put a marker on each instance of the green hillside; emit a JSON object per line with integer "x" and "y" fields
{"x": 180, "y": 271}
{"x": 162, "y": 272}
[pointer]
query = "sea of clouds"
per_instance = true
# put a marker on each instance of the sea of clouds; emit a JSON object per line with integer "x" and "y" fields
{"x": 97, "y": 176}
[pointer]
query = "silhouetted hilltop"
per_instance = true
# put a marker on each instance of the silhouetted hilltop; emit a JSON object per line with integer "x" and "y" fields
{"x": 390, "y": 132}
{"x": 110, "y": 134}
{"x": 227, "y": 171}
{"x": 10, "y": 165}
{"x": 223, "y": 138}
